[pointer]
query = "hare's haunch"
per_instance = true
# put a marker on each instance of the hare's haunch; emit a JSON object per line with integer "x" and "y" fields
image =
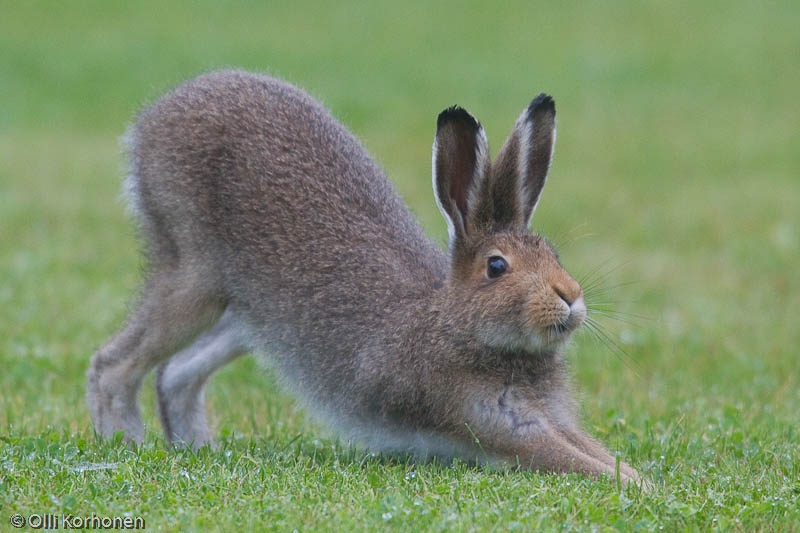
{"x": 269, "y": 229}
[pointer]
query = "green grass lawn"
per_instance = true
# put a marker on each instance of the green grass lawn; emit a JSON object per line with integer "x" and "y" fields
{"x": 676, "y": 186}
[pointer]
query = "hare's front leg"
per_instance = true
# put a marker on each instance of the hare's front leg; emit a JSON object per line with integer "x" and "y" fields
{"x": 590, "y": 446}
{"x": 181, "y": 382}
{"x": 538, "y": 433}
{"x": 572, "y": 450}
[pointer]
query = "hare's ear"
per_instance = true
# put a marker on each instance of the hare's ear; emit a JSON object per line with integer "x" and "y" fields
{"x": 521, "y": 168}
{"x": 460, "y": 168}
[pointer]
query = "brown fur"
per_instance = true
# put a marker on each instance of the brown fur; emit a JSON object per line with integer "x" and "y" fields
{"x": 269, "y": 228}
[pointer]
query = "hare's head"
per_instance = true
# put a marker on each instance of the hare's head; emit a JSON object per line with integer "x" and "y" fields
{"x": 507, "y": 281}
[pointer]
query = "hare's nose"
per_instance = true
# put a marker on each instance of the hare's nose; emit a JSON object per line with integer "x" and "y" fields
{"x": 567, "y": 289}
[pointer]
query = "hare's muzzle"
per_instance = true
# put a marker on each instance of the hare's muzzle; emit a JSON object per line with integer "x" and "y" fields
{"x": 571, "y": 308}
{"x": 576, "y": 314}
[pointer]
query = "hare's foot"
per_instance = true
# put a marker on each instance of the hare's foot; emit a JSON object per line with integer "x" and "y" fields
{"x": 172, "y": 311}
{"x": 591, "y": 447}
{"x": 111, "y": 395}
{"x": 181, "y": 383}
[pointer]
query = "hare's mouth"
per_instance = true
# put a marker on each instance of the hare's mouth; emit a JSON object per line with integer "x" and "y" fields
{"x": 562, "y": 329}
{"x": 533, "y": 336}
{"x": 559, "y": 332}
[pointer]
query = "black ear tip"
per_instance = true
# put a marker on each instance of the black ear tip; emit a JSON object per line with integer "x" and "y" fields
{"x": 457, "y": 114}
{"x": 543, "y": 102}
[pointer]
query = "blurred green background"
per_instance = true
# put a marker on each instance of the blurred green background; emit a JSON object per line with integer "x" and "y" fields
{"x": 676, "y": 181}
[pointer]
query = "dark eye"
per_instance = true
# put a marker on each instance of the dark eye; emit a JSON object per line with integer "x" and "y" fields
{"x": 496, "y": 266}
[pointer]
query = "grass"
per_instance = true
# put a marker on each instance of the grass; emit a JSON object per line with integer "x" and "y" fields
{"x": 675, "y": 183}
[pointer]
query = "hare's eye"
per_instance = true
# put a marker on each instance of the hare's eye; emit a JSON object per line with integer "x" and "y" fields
{"x": 496, "y": 266}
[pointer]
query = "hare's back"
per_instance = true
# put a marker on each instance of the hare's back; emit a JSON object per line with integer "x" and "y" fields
{"x": 253, "y": 171}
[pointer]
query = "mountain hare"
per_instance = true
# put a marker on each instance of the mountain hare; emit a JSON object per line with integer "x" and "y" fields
{"x": 270, "y": 229}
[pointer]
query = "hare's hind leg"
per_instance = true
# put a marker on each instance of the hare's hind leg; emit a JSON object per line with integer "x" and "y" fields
{"x": 174, "y": 308}
{"x": 181, "y": 382}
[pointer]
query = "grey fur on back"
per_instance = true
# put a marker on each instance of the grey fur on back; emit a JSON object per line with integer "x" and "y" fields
{"x": 296, "y": 222}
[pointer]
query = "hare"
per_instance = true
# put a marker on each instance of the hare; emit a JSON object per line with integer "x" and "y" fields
{"x": 270, "y": 229}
